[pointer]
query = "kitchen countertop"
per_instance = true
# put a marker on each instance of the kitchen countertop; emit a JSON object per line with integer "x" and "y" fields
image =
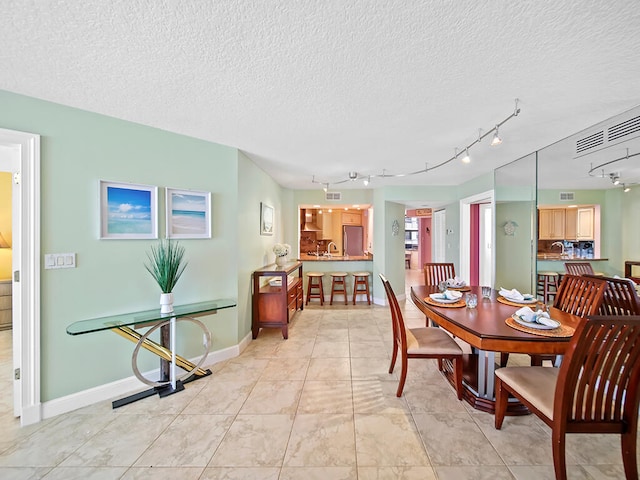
{"x": 335, "y": 258}
{"x": 557, "y": 258}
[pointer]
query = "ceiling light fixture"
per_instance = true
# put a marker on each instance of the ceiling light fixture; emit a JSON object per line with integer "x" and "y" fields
{"x": 496, "y": 138}
{"x": 625, "y": 188}
{"x": 615, "y": 178}
{"x": 495, "y": 141}
{"x": 366, "y": 181}
{"x": 466, "y": 158}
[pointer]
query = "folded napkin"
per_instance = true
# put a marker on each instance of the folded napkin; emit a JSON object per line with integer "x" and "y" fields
{"x": 514, "y": 294}
{"x": 528, "y": 315}
{"x": 447, "y": 295}
{"x": 456, "y": 282}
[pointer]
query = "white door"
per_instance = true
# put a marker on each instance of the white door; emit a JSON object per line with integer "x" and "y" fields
{"x": 485, "y": 244}
{"x": 20, "y": 154}
{"x": 439, "y": 236}
{"x": 10, "y": 162}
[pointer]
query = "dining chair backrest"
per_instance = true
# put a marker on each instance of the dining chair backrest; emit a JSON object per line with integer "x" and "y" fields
{"x": 434, "y": 273}
{"x": 399, "y": 333}
{"x": 580, "y": 295}
{"x": 598, "y": 382}
{"x": 579, "y": 268}
{"x": 620, "y": 297}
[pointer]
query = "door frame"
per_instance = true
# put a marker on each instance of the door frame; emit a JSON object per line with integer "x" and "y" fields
{"x": 465, "y": 232}
{"x": 26, "y": 291}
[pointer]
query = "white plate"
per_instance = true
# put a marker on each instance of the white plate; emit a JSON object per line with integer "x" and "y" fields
{"x": 443, "y": 300}
{"x": 535, "y": 325}
{"x": 526, "y": 301}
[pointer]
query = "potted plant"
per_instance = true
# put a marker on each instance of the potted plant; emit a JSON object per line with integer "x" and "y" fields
{"x": 281, "y": 250}
{"x": 166, "y": 266}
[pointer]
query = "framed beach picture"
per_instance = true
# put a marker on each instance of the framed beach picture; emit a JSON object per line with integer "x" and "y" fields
{"x": 266, "y": 219}
{"x": 188, "y": 214}
{"x": 128, "y": 211}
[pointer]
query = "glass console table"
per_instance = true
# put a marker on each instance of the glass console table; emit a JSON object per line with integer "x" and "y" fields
{"x": 122, "y": 325}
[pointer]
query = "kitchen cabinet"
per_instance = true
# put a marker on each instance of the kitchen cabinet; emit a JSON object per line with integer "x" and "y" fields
{"x": 578, "y": 224}
{"x": 584, "y": 224}
{"x": 551, "y": 224}
{"x": 276, "y": 296}
{"x": 325, "y": 221}
{"x": 5, "y": 304}
{"x": 351, "y": 218}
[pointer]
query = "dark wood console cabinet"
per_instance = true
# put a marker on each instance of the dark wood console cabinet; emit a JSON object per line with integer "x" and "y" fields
{"x": 274, "y": 306}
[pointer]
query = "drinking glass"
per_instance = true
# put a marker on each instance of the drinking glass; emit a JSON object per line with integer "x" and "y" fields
{"x": 442, "y": 287}
{"x": 471, "y": 299}
{"x": 486, "y": 292}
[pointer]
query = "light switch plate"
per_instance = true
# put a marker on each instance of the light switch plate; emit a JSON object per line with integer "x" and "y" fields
{"x": 59, "y": 260}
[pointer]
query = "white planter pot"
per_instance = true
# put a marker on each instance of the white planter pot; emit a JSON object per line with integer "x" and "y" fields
{"x": 280, "y": 261}
{"x": 166, "y": 302}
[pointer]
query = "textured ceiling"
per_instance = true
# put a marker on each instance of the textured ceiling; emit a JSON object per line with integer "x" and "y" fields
{"x": 322, "y": 88}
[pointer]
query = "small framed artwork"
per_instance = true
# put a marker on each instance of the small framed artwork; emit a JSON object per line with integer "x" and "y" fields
{"x": 266, "y": 219}
{"x": 128, "y": 211}
{"x": 188, "y": 214}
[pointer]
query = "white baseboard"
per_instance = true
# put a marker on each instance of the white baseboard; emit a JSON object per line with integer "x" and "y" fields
{"x": 123, "y": 387}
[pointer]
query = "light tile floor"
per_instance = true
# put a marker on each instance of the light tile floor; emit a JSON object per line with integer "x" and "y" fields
{"x": 317, "y": 406}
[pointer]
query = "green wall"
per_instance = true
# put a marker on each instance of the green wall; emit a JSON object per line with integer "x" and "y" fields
{"x": 78, "y": 149}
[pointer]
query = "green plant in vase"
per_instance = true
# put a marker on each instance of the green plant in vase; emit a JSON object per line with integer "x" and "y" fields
{"x": 166, "y": 265}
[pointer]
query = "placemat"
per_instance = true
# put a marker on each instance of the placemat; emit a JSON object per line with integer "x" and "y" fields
{"x": 458, "y": 304}
{"x": 460, "y": 289}
{"x": 561, "y": 331}
{"x": 516, "y": 304}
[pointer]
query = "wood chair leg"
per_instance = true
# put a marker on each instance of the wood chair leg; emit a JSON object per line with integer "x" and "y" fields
{"x": 403, "y": 376}
{"x": 502, "y": 399}
{"x": 504, "y": 359}
{"x": 394, "y": 355}
{"x": 559, "y": 454}
{"x": 629, "y": 459}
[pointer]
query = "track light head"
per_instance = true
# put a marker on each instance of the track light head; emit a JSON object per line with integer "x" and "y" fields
{"x": 466, "y": 158}
{"x": 625, "y": 188}
{"x": 353, "y": 176}
{"x": 366, "y": 181}
{"x": 496, "y": 138}
{"x": 615, "y": 178}
{"x": 326, "y": 187}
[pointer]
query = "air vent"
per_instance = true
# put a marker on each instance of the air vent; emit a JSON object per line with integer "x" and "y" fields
{"x": 567, "y": 196}
{"x": 334, "y": 196}
{"x": 592, "y": 141}
{"x": 623, "y": 129}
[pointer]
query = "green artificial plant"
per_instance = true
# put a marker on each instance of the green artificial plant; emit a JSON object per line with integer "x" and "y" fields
{"x": 166, "y": 264}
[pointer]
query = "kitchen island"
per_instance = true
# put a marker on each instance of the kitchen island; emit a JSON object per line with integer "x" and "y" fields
{"x": 337, "y": 263}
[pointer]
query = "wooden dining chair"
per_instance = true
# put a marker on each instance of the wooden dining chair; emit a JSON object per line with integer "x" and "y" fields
{"x": 620, "y": 297}
{"x": 577, "y": 295}
{"x": 579, "y": 268}
{"x": 423, "y": 342}
{"x": 595, "y": 390}
{"x": 434, "y": 273}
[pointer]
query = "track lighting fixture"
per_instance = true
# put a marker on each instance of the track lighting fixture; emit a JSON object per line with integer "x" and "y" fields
{"x": 466, "y": 158}
{"x": 625, "y": 188}
{"x": 615, "y": 178}
{"x": 496, "y": 138}
{"x": 326, "y": 187}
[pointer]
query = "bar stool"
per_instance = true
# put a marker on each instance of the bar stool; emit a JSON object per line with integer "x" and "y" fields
{"x": 361, "y": 279}
{"x": 547, "y": 285}
{"x": 338, "y": 279}
{"x": 314, "y": 286}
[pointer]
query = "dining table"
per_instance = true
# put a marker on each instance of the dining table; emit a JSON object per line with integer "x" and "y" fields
{"x": 488, "y": 329}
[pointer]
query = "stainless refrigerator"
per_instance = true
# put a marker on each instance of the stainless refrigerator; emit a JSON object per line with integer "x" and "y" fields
{"x": 352, "y": 240}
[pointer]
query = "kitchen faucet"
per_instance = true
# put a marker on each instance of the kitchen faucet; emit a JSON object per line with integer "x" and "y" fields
{"x": 561, "y": 244}
{"x": 329, "y": 248}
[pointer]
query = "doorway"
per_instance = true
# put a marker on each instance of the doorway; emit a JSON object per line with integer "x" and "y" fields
{"x": 477, "y": 227}
{"x": 20, "y": 156}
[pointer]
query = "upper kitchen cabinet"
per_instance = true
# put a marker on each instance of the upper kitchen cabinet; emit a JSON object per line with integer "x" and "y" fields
{"x": 325, "y": 222}
{"x": 351, "y": 218}
{"x": 551, "y": 223}
{"x": 579, "y": 224}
